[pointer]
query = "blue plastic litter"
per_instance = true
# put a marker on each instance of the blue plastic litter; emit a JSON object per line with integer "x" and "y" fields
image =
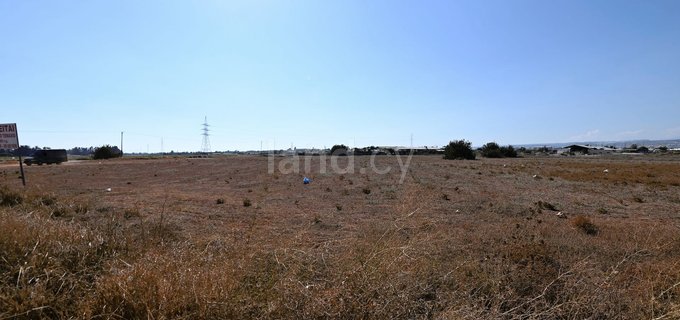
{"x": 306, "y": 180}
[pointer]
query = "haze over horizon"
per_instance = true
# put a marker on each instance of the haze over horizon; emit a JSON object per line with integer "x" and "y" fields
{"x": 315, "y": 74}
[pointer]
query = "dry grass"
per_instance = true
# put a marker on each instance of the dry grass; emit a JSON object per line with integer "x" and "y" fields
{"x": 583, "y": 223}
{"x": 157, "y": 248}
{"x": 650, "y": 171}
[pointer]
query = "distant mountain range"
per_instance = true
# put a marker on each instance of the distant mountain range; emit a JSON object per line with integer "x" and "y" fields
{"x": 673, "y": 143}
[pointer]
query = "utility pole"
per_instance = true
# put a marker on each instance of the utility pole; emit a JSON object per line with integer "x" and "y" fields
{"x": 121, "y": 144}
{"x": 21, "y": 163}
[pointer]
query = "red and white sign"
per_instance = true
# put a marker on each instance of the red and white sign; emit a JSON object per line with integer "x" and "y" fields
{"x": 9, "y": 138}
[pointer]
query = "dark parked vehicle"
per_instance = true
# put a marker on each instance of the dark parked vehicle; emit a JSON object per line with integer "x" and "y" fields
{"x": 47, "y": 156}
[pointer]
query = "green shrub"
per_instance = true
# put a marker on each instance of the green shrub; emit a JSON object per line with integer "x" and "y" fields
{"x": 459, "y": 149}
{"x": 642, "y": 149}
{"x": 509, "y": 152}
{"x": 106, "y": 152}
{"x": 339, "y": 150}
{"x": 491, "y": 150}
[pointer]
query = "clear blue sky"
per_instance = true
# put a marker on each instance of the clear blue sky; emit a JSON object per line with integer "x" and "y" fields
{"x": 316, "y": 73}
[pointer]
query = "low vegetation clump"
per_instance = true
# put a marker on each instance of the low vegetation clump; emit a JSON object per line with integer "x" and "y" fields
{"x": 509, "y": 152}
{"x": 106, "y": 152}
{"x": 493, "y": 150}
{"x": 459, "y": 150}
{"x": 584, "y": 224}
{"x": 339, "y": 150}
{"x": 9, "y": 197}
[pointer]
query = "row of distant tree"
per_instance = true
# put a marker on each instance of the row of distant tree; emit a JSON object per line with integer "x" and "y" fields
{"x": 462, "y": 149}
{"x": 96, "y": 152}
{"x": 459, "y": 149}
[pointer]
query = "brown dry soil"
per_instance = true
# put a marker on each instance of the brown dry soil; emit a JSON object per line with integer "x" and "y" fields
{"x": 187, "y": 190}
{"x": 550, "y": 237}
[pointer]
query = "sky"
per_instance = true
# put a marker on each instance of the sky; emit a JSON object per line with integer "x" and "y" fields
{"x": 273, "y": 74}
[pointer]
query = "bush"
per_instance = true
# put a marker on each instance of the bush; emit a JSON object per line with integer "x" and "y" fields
{"x": 642, "y": 149}
{"x": 459, "y": 149}
{"x": 509, "y": 152}
{"x": 339, "y": 150}
{"x": 493, "y": 150}
{"x": 106, "y": 152}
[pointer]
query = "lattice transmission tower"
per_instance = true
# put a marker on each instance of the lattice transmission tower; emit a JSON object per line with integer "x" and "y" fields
{"x": 205, "y": 145}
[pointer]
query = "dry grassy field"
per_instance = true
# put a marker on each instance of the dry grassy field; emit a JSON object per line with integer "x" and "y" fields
{"x": 526, "y": 238}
